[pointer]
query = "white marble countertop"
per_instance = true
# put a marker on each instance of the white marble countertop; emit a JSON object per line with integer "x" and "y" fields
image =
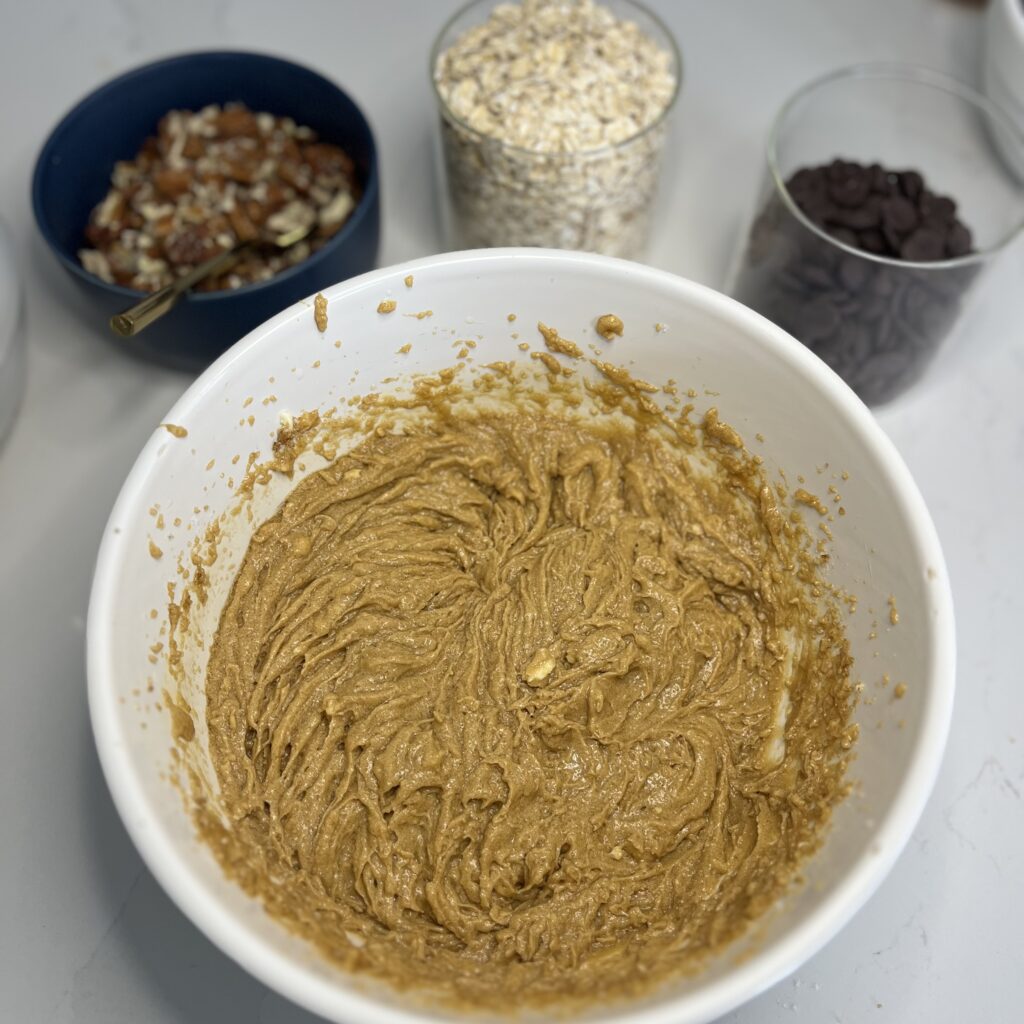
{"x": 86, "y": 934}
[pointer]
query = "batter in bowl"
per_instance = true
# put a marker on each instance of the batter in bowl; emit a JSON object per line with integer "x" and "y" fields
{"x": 524, "y": 709}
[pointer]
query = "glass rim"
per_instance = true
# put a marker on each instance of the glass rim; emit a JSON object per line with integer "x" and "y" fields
{"x": 914, "y": 74}
{"x": 450, "y": 115}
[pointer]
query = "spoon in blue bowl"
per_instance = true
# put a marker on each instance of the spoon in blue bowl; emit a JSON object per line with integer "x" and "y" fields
{"x": 137, "y": 318}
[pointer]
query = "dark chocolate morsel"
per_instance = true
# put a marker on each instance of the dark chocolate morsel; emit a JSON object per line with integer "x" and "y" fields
{"x": 819, "y": 320}
{"x": 855, "y": 340}
{"x": 893, "y": 240}
{"x": 923, "y": 246}
{"x": 885, "y": 333}
{"x": 911, "y": 184}
{"x": 873, "y": 308}
{"x": 869, "y": 215}
{"x": 872, "y": 241}
{"x": 885, "y": 284}
{"x": 802, "y": 180}
{"x": 915, "y": 299}
{"x": 879, "y": 180}
{"x": 814, "y": 276}
{"x": 839, "y": 170}
{"x": 819, "y": 208}
{"x": 853, "y": 272}
{"x": 850, "y": 191}
{"x": 899, "y": 215}
{"x": 940, "y": 207}
{"x": 958, "y": 241}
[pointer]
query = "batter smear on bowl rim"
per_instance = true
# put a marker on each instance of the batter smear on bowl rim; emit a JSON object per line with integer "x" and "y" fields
{"x": 524, "y": 708}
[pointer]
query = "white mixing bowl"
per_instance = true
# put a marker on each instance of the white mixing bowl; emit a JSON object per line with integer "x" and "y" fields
{"x": 760, "y": 379}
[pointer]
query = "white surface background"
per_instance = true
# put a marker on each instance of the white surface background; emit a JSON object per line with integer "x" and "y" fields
{"x": 85, "y": 933}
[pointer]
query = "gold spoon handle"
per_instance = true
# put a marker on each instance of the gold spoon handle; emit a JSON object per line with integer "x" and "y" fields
{"x": 142, "y": 314}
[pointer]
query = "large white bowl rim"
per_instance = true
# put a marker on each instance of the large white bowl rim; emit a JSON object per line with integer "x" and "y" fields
{"x": 748, "y": 978}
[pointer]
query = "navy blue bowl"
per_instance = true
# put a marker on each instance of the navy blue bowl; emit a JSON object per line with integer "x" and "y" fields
{"x": 73, "y": 171}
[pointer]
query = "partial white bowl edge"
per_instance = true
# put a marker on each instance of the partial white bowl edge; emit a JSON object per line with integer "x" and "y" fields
{"x": 764, "y": 381}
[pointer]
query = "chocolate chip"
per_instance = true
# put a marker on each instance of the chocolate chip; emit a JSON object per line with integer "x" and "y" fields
{"x": 924, "y": 245}
{"x": 911, "y": 183}
{"x": 850, "y": 191}
{"x": 873, "y": 308}
{"x": 872, "y": 241}
{"x": 855, "y": 341}
{"x": 820, "y": 209}
{"x": 899, "y": 215}
{"x": 958, "y": 241}
{"x": 879, "y": 179}
{"x": 802, "y": 180}
{"x": 884, "y": 285}
{"x": 885, "y": 333}
{"x": 941, "y": 208}
{"x": 814, "y": 276}
{"x": 791, "y": 281}
{"x": 839, "y": 170}
{"x": 820, "y": 319}
{"x": 853, "y": 272}
{"x": 915, "y": 299}
{"x": 868, "y": 215}
{"x": 893, "y": 240}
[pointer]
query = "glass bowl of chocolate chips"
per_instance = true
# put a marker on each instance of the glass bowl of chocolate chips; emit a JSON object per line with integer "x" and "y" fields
{"x": 889, "y": 191}
{"x": 161, "y": 169}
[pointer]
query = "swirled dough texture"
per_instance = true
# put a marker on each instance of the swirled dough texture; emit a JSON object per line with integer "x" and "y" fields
{"x": 519, "y": 710}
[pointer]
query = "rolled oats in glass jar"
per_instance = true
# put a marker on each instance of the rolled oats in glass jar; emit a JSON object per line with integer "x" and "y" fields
{"x": 554, "y": 115}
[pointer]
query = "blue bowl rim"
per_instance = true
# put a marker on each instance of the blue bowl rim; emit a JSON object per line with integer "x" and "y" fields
{"x": 99, "y": 94}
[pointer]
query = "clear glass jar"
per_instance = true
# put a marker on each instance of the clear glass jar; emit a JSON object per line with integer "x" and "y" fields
{"x": 597, "y": 200}
{"x": 879, "y": 320}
